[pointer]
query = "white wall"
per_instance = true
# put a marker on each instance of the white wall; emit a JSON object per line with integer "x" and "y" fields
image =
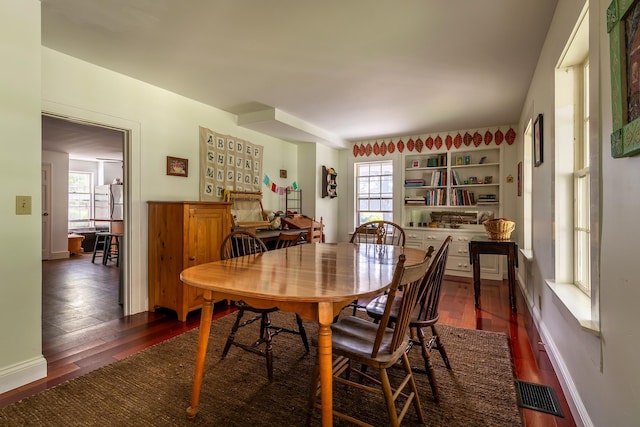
{"x": 111, "y": 171}
{"x": 327, "y": 208}
{"x": 21, "y": 358}
{"x": 308, "y": 181}
{"x": 600, "y": 375}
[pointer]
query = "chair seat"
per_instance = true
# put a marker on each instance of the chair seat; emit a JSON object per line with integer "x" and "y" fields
{"x": 355, "y": 337}
{"x": 375, "y": 310}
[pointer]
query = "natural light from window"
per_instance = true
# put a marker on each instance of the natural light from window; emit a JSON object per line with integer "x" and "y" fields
{"x": 79, "y": 199}
{"x": 374, "y": 191}
{"x": 573, "y": 196}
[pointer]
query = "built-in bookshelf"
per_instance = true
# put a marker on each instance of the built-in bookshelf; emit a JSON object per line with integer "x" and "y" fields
{"x": 452, "y": 193}
{"x": 459, "y": 180}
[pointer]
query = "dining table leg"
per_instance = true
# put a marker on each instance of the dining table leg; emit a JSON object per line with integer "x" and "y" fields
{"x": 325, "y": 359}
{"x": 203, "y": 342}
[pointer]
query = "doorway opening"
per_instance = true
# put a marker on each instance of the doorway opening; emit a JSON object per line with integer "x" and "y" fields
{"x": 78, "y": 293}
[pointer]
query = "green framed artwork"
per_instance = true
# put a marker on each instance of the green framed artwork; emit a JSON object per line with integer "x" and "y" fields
{"x": 623, "y": 25}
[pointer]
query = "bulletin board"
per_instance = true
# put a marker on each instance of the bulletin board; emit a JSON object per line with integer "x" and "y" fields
{"x": 228, "y": 163}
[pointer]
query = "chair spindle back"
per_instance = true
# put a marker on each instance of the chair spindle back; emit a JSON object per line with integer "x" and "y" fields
{"x": 240, "y": 243}
{"x": 409, "y": 278}
{"x": 430, "y": 293}
{"x": 380, "y": 233}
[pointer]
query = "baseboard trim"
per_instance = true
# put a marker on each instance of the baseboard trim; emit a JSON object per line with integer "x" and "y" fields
{"x": 22, "y": 373}
{"x": 578, "y": 410}
{"x": 59, "y": 255}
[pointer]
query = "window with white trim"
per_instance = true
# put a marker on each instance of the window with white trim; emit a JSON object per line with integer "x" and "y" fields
{"x": 374, "y": 191}
{"x": 80, "y": 197}
{"x": 573, "y": 196}
{"x": 581, "y": 187}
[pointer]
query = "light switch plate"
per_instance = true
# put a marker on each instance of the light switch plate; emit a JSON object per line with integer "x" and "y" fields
{"x": 23, "y": 205}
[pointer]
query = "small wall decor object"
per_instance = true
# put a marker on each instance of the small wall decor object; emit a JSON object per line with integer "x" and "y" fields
{"x": 519, "y": 179}
{"x": 537, "y": 141}
{"x": 177, "y": 166}
{"x": 283, "y": 173}
{"x": 623, "y": 18}
{"x": 329, "y": 187}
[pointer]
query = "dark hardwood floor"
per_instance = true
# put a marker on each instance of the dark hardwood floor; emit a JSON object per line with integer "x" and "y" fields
{"x": 83, "y": 328}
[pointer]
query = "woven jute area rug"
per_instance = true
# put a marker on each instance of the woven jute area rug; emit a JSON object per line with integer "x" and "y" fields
{"x": 153, "y": 387}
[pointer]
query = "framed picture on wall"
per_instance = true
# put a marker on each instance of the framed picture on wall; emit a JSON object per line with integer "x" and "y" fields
{"x": 537, "y": 141}
{"x": 623, "y": 20}
{"x": 177, "y": 166}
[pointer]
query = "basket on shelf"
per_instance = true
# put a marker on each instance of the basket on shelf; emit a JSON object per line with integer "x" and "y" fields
{"x": 499, "y": 229}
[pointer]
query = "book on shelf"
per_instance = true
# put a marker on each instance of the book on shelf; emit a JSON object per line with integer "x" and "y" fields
{"x": 435, "y": 176}
{"x": 414, "y": 200}
{"x": 487, "y": 199}
{"x": 455, "y": 178}
{"x": 438, "y": 179}
{"x": 414, "y": 182}
{"x": 436, "y": 197}
{"x": 460, "y": 197}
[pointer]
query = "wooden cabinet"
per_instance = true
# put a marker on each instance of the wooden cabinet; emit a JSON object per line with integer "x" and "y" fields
{"x": 458, "y": 261}
{"x": 181, "y": 235}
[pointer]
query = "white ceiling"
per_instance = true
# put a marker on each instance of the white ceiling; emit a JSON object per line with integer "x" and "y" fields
{"x": 81, "y": 141}
{"x": 329, "y": 71}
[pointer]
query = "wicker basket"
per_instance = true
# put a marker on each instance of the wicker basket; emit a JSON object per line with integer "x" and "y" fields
{"x": 499, "y": 229}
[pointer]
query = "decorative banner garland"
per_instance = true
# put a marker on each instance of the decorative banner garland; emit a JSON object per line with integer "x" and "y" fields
{"x": 277, "y": 189}
{"x": 382, "y": 148}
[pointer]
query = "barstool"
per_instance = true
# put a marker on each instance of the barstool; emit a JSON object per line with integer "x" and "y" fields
{"x": 112, "y": 248}
{"x": 100, "y": 245}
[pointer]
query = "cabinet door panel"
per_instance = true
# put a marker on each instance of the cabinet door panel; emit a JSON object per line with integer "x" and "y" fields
{"x": 490, "y": 266}
{"x": 207, "y": 228}
{"x": 457, "y": 263}
{"x": 415, "y": 239}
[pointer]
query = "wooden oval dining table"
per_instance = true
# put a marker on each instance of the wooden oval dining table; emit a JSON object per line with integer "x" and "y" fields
{"x": 315, "y": 280}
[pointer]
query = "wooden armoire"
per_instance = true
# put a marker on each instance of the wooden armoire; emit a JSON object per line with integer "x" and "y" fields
{"x": 181, "y": 235}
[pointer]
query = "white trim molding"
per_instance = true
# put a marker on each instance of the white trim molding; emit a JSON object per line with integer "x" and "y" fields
{"x": 19, "y": 374}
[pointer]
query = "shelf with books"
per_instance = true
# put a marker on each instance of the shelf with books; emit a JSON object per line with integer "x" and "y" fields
{"x": 457, "y": 180}
{"x": 467, "y": 193}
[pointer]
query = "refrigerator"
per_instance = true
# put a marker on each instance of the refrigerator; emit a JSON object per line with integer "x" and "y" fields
{"x": 108, "y": 202}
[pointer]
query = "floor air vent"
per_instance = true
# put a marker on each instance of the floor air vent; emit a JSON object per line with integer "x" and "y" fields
{"x": 538, "y": 397}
